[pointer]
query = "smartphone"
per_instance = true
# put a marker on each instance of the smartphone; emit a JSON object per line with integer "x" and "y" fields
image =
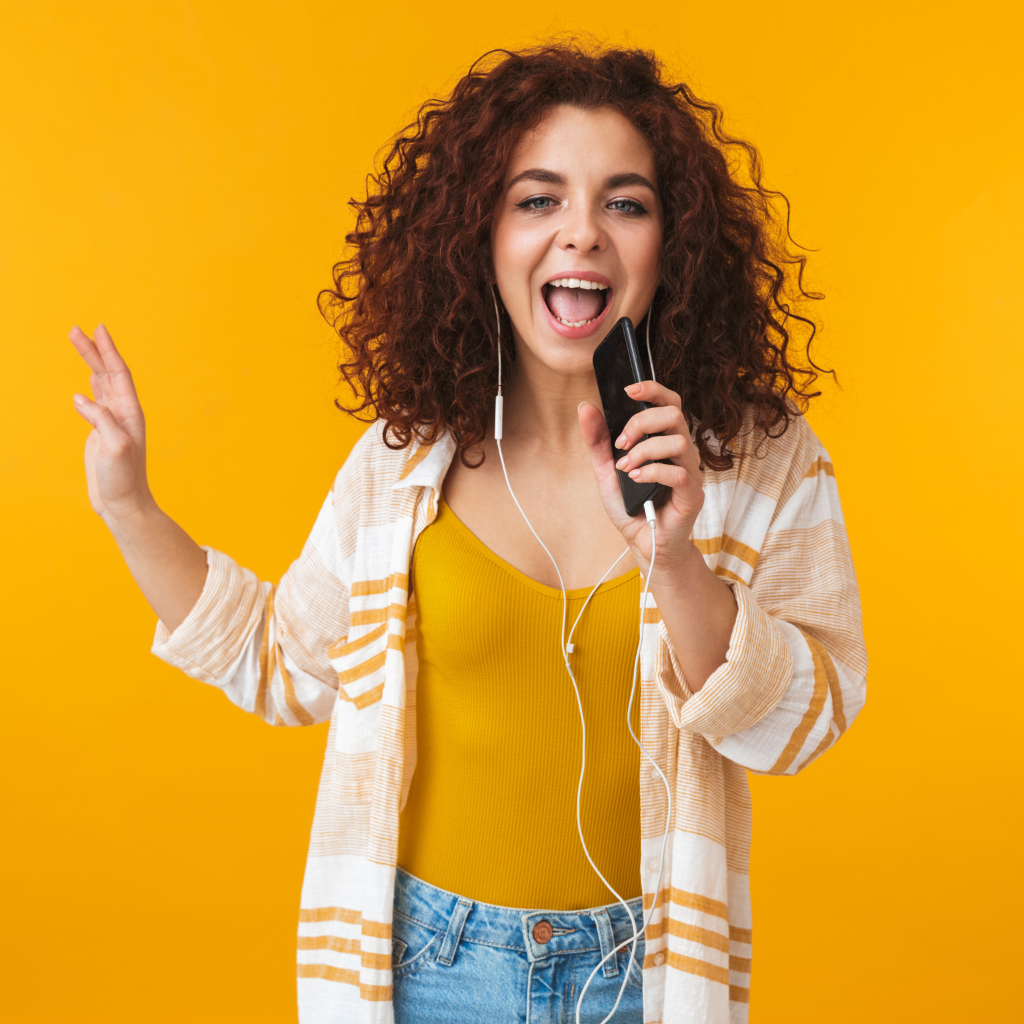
{"x": 618, "y": 363}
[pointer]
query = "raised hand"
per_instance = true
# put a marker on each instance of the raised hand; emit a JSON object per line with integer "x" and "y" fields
{"x": 167, "y": 564}
{"x": 115, "y": 451}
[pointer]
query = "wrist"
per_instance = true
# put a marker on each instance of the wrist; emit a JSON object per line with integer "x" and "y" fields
{"x": 130, "y": 517}
{"x": 677, "y": 571}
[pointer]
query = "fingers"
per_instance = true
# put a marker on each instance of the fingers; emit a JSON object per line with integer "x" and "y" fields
{"x": 100, "y": 418}
{"x": 111, "y": 380}
{"x": 676, "y": 477}
{"x": 111, "y": 357}
{"x": 666, "y": 419}
{"x": 678, "y": 448}
{"x": 86, "y": 349}
{"x": 99, "y": 352}
{"x": 655, "y": 394}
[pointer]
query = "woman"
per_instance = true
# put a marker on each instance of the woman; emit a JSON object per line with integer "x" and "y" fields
{"x": 514, "y": 223}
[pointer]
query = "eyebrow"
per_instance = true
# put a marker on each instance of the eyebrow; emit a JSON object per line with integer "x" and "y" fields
{"x": 547, "y": 177}
{"x": 538, "y": 174}
{"x": 621, "y": 180}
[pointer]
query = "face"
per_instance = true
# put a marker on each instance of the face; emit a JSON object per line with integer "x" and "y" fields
{"x": 576, "y": 240}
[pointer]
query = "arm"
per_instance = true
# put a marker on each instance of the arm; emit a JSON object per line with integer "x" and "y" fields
{"x": 795, "y": 676}
{"x": 267, "y": 647}
{"x": 168, "y": 566}
{"x": 772, "y": 681}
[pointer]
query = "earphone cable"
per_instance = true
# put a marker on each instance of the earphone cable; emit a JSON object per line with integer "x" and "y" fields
{"x": 632, "y": 940}
{"x": 566, "y": 649}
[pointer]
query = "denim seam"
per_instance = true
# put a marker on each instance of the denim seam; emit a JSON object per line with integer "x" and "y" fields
{"x": 419, "y": 961}
{"x": 416, "y": 920}
{"x": 494, "y": 945}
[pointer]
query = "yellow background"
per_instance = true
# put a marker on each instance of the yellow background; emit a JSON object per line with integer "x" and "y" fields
{"x": 181, "y": 170}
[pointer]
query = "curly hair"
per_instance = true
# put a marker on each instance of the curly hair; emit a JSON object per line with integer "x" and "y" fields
{"x": 413, "y": 306}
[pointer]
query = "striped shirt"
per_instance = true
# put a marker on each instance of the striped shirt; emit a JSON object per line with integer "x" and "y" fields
{"x": 335, "y": 640}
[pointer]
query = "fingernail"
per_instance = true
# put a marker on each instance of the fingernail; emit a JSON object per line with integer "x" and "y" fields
{"x": 632, "y": 389}
{"x": 634, "y": 473}
{"x": 580, "y": 406}
{"x": 78, "y": 400}
{"x": 622, "y": 442}
{"x": 622, "y": 463}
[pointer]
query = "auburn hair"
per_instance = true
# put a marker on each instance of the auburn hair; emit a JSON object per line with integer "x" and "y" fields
{"x": 413, "y": 307}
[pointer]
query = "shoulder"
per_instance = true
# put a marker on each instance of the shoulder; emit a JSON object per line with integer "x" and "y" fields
{"x": 376, "y": 476}
{"x": 773, "y": 462}
{"x": 372, "y": 464}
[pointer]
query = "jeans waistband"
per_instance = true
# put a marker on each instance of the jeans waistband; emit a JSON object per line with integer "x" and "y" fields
{"x": 537, "y": 933}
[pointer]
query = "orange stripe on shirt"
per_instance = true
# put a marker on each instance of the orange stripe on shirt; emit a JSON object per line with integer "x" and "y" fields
{"x": 261, "y": 687}
{"x": 731, "y": 546}
{"x": 344, "y": 647}
{"x": 821, "y": 465}
{"x": 690, "y": 900}
{"x": 369, "y": 616}
{"x": 364, "y": 588}
{"x": 810, "y": 716}
{"x": 363, "y": 669}
{"x": 690, "y": 965}
{"x": 838, "y": 715}
{"x": 371, "y": 993}
{"x": 302, "y": 716}
{"x": 415, "y": 459}
{"x": 318, "y": 914}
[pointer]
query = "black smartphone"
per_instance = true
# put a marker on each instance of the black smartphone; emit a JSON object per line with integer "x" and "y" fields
{"x": 618, "y": 363}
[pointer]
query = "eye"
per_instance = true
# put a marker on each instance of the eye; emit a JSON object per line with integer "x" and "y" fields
{"x": 627, "y": 206}
{"x": 536, "y": 203}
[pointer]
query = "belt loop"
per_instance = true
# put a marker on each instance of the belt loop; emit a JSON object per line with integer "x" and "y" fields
{"x": 607, "y": 937}
{"x": 456, "y": 922}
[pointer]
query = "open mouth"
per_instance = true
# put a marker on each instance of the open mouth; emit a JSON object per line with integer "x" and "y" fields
{"x": 574, "y": 302}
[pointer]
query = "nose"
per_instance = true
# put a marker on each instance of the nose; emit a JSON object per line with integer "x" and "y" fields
{"x": 580, "y": 231}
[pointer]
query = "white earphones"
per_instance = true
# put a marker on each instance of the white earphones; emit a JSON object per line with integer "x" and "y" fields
{"x": 567, "y": 647}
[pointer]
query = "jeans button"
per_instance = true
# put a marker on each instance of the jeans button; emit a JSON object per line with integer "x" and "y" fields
{"x": 542, "y": 932}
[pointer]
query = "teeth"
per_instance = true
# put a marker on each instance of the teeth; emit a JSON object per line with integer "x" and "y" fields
{"x": 575, "y": 282}
{"x": 573, "y": 323}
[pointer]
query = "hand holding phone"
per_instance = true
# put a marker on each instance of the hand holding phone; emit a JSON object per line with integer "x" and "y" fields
{"x": 618, "y": 363}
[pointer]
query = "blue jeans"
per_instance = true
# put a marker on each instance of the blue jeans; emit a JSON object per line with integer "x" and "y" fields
{"x": 460, "y": 962}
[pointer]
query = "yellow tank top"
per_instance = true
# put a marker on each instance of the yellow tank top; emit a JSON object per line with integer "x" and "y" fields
{"x": 491, "y": 812}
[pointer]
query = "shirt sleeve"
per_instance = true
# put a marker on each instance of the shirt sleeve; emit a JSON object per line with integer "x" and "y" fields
{"x": 794, "y": 676}
{"x": 267, "y": 646}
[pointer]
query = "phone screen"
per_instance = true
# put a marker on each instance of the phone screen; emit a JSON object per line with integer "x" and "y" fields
{"x": 616, "y": 362}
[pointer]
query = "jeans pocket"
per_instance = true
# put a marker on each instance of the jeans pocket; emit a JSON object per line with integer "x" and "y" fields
{"x": 412, "y": 944}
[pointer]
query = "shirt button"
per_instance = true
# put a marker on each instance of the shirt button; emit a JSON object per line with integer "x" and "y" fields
{"x": 653, "y": 864}
{"x": 542, "y": 932}
{"x": 655, "y": 774}
{"x": 659, "y": 959}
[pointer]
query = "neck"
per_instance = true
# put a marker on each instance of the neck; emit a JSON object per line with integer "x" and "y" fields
{"x": 541, "y": 404}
